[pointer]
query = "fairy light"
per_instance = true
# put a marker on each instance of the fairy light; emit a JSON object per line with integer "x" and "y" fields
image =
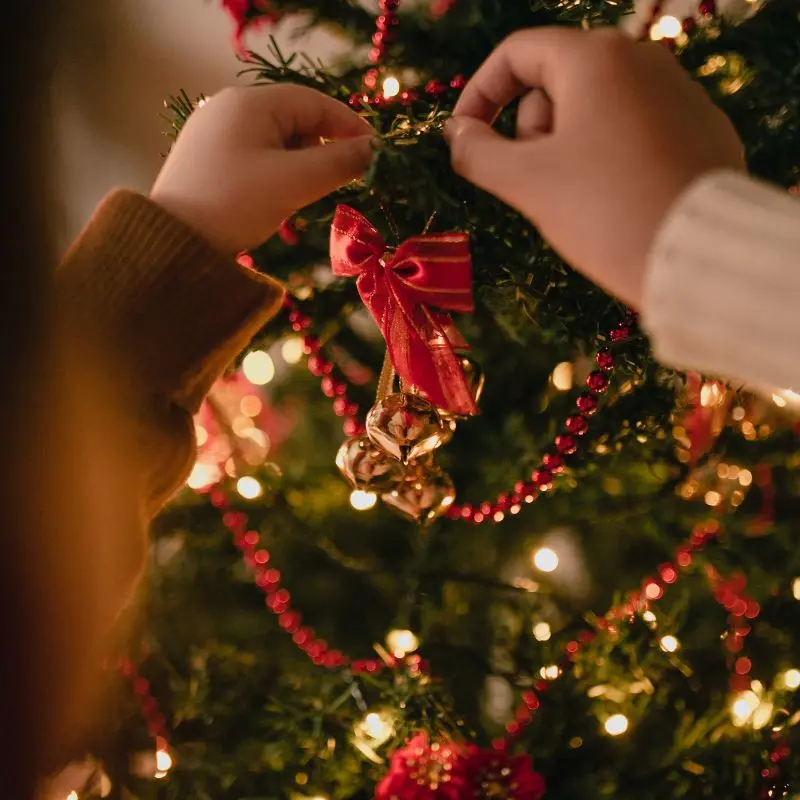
{"x": 251, "y": 405}
{"x": 616, "y": 725}
{"x": 669, "y": 644}
{"x": 650, "y": 618}
{"x": 712, "y": 498}
{"x": 562, "y": 376}
{"x": 791, "y": 679}
{"x": 545, "y": 559}
{"x": 401, "y": 642}
{"x": 745, "y": 477}
{"x": 541, "y": 631}
{"x": 200, "y": 435}
{"x": 72, "y": 796}
{"x": 163, "y": 763}
{"x": 363, "y": 501}
{"x": 796, "y": 588}
{"x": 248, "y": 487}
{"x": 391, "y": 87}
{"x": 292, "y": 350}
{"x": 258, "y": 367}
{"x": 743, "y": 707}
{"x": 202, "y": 475}
{"x": 550, "y": 672}
{"x": 375, "y": 729}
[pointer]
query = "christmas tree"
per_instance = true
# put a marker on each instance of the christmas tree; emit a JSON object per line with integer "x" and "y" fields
{"x": 590, "y": 588}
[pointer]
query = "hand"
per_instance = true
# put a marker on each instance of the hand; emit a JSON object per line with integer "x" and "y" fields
{"x": 609, "y": 133}
{"x": 250, "y": 157}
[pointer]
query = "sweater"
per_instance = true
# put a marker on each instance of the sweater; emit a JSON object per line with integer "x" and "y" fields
{"x": 722, "y": 287}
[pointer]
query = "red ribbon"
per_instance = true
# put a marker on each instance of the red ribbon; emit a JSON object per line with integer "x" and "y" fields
{"x": 399, "y": 289}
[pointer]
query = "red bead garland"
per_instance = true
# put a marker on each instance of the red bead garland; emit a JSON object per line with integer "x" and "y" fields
{"x": 155, "y": 721}
{"x": 636, "y": 602}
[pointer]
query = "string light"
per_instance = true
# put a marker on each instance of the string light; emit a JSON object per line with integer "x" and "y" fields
{"x": 251, "y": 406}
{"x": 650, "y": 618}
{"x": 791, "y": 679}
{"x": 248, "y": 487}
{"x": 72, "y": 796}
{"x": 743, "y": 707}
{"x": 745, "y": 477}
{"x": 545, "y": 559}
{"x": 562, "y": 376}
{"x": 616, "y": 725}
{"x": 200, "y": 435}
{"x": 541, "y": 631}
{"x": 258, "y": 367}
{"x": 163, "y": 763}
{"x": 363, "y": 501}
{"x": 202, "y": 475}
{"x": 550, "y": 672}
{"x": 292, "y": 349}
{"x": 796, "y": 588}
{"x": 669, "y": 644}
{"x": 375, "y": 729}
{"x": 401, "y": 642}
{"x": 391, "y": 87}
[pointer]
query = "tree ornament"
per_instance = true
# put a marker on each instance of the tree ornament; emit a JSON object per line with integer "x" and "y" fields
{"x": 425, "y": 494}
{"x": 475, "y": 378}
{"x": 406, "y": 426}
{"x": 367, "y": 467}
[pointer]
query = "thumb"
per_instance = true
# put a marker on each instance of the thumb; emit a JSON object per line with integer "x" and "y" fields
{"x": 487, "y": 159}
{"x": 313, "y": 172}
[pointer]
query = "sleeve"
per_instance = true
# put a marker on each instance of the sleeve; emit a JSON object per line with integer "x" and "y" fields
{"x": 722, "y": 287}
{"x": 167, "y": 315}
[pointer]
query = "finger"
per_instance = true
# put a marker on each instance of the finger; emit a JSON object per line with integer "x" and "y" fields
{"x": 487, "y": 159}
{"x": 525, "y": 60}
{"x": 535, "y": 115}
{"x": 301, "y": 113}
{"x": 311, "y": 173}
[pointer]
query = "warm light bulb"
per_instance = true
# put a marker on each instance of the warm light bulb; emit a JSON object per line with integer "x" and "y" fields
{"x": 791, "y": 679}
{"x": 562, "y": 376}
{"x": 375, "y": 729}
{"x": 541, "y": 631}
{"x": 363, "y": 501}
{"x": 163, "y": 763}
{"x": 248, "y": 487}
{"x": 669, "y": 644}
{"x": 743, "y": 707}
{"x": 202, "y": 475}
{"x": 72, "y": 796}
{"x": 667, "y": 27}
{"x": 292, "y": 349}
{"x": 796, "y": 588}
{"x": 258, "y": 367}
{"x": 650, "y": 618}
{"x": 401, "y": 642}
{"x": 616, "y": 725}
{"x": 391, "y": 87}
{"x": 550, "y": 672}
{"x": 545, "y": 559}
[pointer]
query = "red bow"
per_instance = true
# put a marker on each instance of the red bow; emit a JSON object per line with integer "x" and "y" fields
{"x": 398, "y": 288}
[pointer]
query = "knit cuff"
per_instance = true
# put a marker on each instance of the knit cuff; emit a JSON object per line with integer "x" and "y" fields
{"x": 172, "y": 311}
{"x": 723, "y": 283}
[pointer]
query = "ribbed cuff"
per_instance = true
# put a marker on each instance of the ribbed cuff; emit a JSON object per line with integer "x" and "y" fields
{"x": 722, "y": 289}
{"x": 173, "y": 311}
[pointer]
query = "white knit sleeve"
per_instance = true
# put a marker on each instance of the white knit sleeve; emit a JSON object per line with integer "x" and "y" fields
{"x": 722, "y": 290}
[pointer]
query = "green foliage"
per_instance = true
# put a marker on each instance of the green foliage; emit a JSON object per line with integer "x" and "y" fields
{"x": 252, "y": 718}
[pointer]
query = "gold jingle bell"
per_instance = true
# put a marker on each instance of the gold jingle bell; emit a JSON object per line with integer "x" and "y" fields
{"x": 424, "y": 495}
{"x": 406, "y": 426}
{"x": 367, "y": 467}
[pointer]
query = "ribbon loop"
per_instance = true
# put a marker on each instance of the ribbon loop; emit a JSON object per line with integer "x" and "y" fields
{"x": 409, "y": 292}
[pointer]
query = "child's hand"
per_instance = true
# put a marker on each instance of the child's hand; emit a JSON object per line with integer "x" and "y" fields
{"x": 252, "y": 156}
{"x": 609, "y": 133}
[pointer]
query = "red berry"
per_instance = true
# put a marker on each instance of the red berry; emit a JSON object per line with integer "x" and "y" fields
{"x": 435, "y": 88}
{"x": 409, "y": 96}
{"x": 459, "y": 82}
{"x": 311, "y": 345}
{"x": 353, "y": 427}
{"x": 620, "y": 333}
{"x": 553, "y": 462}
{"x": 577, "y": 424}
{"x": 543, "y": 478}
{"x": 370, "y": 79}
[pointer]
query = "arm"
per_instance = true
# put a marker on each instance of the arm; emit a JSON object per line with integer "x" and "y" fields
{"x": 722, "y": 287}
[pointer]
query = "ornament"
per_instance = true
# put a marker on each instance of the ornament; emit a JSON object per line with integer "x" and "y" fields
{"x": 475, "y": 379}
{"x": 406, "y": 426}
{"x": 425, "y": 494}
{"x": 367, "y": 467}
{"x": 409, "y": 292}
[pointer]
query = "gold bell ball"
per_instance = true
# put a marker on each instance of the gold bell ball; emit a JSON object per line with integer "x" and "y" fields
{"x": 406, "y": 426}
{"x": 424, "y": 495}
{"x": 367, "y": 467}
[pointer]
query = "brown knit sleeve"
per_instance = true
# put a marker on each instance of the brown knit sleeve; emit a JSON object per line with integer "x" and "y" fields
{"x": 168, "y": 314}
